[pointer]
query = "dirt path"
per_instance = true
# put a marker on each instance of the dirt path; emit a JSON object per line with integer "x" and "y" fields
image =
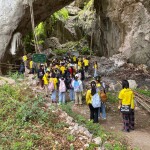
{"x": 139, "y": 138}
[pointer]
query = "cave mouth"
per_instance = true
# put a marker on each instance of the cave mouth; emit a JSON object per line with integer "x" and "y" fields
{"x": 52, "y": 32}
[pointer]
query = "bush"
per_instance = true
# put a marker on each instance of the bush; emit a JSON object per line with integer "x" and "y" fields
{"x": 60, "y": 51}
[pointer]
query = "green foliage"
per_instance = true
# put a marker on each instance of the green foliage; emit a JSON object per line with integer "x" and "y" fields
{"x": 85, "y": 51}
{"x": 61, "y": 14}
{"x": 70, "y": 138}
{"x": 15, "y": 75}
{"x": 144, "y": 92}
{"x": 112, "y": 97}
{"x": 60, "y": 51}
{"x": 40, "y": 32}
{"x": 92, "y": 146}
{"x": 87, "y": 6}
{"x": 23, "y": 121}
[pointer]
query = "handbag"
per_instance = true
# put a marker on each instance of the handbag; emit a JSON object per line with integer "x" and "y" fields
{"x": 125, "y": 109}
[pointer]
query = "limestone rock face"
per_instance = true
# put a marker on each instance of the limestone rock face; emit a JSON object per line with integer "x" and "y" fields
{"x": 123, "y": 26}
{"x": 15, "y": 17}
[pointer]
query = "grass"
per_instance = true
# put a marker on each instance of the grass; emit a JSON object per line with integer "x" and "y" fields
{"x": 112, "y": 97}
{"x": 26, "y": 124}
{"x": 144, "y": 92}
{"x": 15, "y": 75}
{"x": 113, "y": 142}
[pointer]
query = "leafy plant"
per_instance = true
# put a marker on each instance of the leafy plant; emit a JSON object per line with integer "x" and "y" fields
{"x": 15, "y": 75}
{"x": 144, "y": 92}
{"x": 85, "y": 51}
{"x": 62, "y": 14}
{"x": 60, "y": 51}
{"x": 70, "y": 138}
{"x": 112, "y": 97}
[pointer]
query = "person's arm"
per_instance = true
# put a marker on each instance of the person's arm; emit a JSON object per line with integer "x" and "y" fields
{"x": 120, "y": 99}
{"x": 88, "y": 97}
{"x": 120, "y": 103}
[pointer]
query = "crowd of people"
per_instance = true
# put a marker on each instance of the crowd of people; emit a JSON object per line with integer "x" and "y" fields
{"x": 70, "y": 75}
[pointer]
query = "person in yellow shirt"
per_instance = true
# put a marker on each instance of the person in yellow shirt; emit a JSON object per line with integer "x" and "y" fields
{"x": 31, "y": 66}
{"x": 74, "y": 59}
{"x": 24, "y": 58}
{"x": 86, "y": 65}
{"x": 93, "y": 111}
{"x": 79, "y": 64}
{"x": 95, "y": 69}
{"x": 46, "y": 81}
{"x": 126, "y": 98}
{"x": 63, "y": 69}
{"x": 53, "y": 80}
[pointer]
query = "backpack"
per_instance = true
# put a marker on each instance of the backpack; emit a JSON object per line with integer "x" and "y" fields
{"x": 62, "y": 86}
{"x": 96, "y": 101}
{"x": 76, "y": 86}
{"x": 103, "y": 96}
{"x": 51, "y": 86}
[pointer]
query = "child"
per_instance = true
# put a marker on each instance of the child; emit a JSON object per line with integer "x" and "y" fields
{"x": 62, "y": 91}
{"x": 53, "y": 87}
{"x": 78, "y": 89}
{"x": 46, "y": 81}
{"x": 71, "y": 90}
{"x": 95, "y": 69}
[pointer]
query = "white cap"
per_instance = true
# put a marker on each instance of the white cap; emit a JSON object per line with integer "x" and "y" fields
{"x": 76, "y": 75}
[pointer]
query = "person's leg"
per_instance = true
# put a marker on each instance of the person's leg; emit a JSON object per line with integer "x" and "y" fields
{"x": 70, "y": 94}
{"x": 76, "y": 98}
{"x": 103, "y": 110}
{"x": 60, "y": 97}
{"x": 91, "y": 112}
{"x": 53, "y": 96}
{"x": 131, "y": 120}
{"x": 63, "y": 97}
{"x": 95, "y": 115}
{"x": 95, "y": 72}
{"x": 80, "y": 98}
{"x": 99, "y": 111}
{"x": 46, "y": 89}
{"x": 126, "y": 122}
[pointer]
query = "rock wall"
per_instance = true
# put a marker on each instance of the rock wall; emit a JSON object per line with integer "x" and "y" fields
{"x": 123, "y": 26}
{"x": 15, "y": 18}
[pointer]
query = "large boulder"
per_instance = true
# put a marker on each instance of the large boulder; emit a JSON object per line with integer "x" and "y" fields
{"x": 124, "y": 26}
{"x": 15, "y": 18}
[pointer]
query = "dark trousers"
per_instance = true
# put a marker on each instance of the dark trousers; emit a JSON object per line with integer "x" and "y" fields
{"x": 128, "y": 121}
{"x": 93, "y": 113}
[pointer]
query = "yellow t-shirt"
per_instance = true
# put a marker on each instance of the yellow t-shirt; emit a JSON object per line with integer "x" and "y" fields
{"x": 31, "y": 64}
{"x": 98, "y": 85}
{"x": 86, "y": 62}
{"x": 55, "y": 81}
{"x": 24, "y": 58}
{"x": 62, "y": 68}
{"x": 127, "y": 97}
{"x": 79, "y": 63}
{"x": 74, "y": 59}
{"x": 45, "y": 78}
{"x": 88, "y": 97}
{"x": 95, "y": 66}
